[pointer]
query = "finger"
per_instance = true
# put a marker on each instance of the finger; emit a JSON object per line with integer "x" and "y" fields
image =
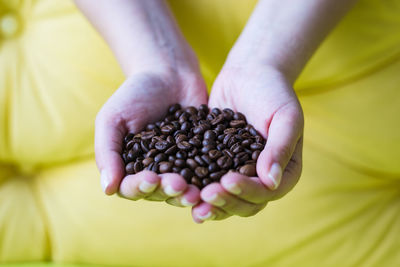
{"x": 292, "y": 172}
{"x": 189, "y": 198}
{"x": 207, "y": 212}
{"x": 215, "y": 195}
{"x": 140, "y": 185}
{"x": 109, "y": 134}
{"x": 250, "y": 189}
{"x": 284, "y": 131}
{"x": 172, "y": 185}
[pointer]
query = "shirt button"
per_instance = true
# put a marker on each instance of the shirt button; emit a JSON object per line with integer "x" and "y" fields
{"x": 8, "y": 25}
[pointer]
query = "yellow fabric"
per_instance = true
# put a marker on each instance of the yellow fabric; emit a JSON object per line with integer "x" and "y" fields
{"x": 55, "y": 73}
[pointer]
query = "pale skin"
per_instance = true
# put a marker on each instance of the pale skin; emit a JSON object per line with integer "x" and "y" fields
{"x": 162, "y": 69}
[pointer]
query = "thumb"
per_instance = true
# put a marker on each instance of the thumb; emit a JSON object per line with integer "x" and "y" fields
{"x": 284, "y": 132}
{"x": 108, "y": 148}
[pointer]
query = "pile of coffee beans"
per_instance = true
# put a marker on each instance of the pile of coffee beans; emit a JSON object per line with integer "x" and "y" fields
{"x": 198, "y": 144}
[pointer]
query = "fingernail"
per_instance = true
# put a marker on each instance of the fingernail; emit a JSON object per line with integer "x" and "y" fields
{"x": 187, "y": 203}
{"x": 215, "y": 199}
{"x": 208, "y": 216}
{"x": 233, "y": 188}
{"x": 275, "y": 176}
{"x": 147, "y": 187}
{"x": 171, "y": 192}
{"x": 105, "y": 181}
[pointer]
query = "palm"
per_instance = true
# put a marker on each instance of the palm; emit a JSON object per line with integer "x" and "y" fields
{"x": 145, "y": 98}
{"x": 262, "y": 98}
{"x": 142, "y": 99}
{"x": 271, "y": 106}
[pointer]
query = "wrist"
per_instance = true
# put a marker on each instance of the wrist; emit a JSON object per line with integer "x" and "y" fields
{"x": 163, "y": 60}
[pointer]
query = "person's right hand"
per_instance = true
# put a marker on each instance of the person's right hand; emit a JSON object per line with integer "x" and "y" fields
{"x": 144, "y": 98}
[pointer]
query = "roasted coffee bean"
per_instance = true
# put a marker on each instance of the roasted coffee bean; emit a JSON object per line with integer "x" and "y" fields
{"x": 227, "y": 138}
{"x": 209, "y": 135}
{"x": 191, "y": 163}
{"x": 231, "y": 141}
{"x": 200, "y": 129}
{"x": 160, "y": 157}
{"x": 224, "y": 162}
{"x": 186, "y": 173}
{"x": 195, "y": 142}
{"x": 178, "y": 113}
{"x": 171, "y": 150}
{"x": 129, "y": 137}
{"x": 206, "y": 149}
{"x": 153, "y": 167}
{"x": 216, "y": 111}
{"x": 167, "y": 129}
{"x": 151, "y": 153}
{"x": 201, "y": 172}
{"x": 204, "y": 108}
{"x": 148, "y": 135}
{"x": 217, "y": 120}
{"x": 129, "y": 145}
{"x": 256, "y": 146}
{"x": 250, "y": 161}
{"x": 259, "y": 139}
{"x": 130, "y": 169}
{"x": 217, "y": 175}
{"x": 180, "y": 163}
{"x": 136, "y": 149}
{"x": 236, "y": 163}
{"x": 199, "y": 160}
{"x": 209, "y": 142}
{"x": 206, "y": 159}
{"x": 196, "y": 181}
{"x": 194, "y": 118}
{"x": 184, "y": 145}
{"x": 228, "y": 153}
{"x": 242, "y": 156}
{"x": 213, "y": 167}
{"x": 186, "y": 126}
{"x": 210, "y": 117}
{"x": 214, "y": 154}
{"x": 192, "y": 110}
{"x": 147, "y": 161}
{"x": 255, "y": 154}
{"x": 220, "y": 147}
{"x": 230, "y": 131}
{"x": 174, "y": 108}
{"x": 253, "y": 131}
{"x": 236, "y": 148}
{"x": 171, "y": 158}
{"x": 201, "y": 114}
{"x": 247, "y": 143}
{"x": 131, "y": 156}
{"x": 162, "y": 145}
{"x": 206, "y": 181}
{"x": 144, "y": 144}
{"x": 165, "y": 166}
{"x": 239, "y": 116}
{"x": 248, "y": 170}
{"x": 220, "y": 128}
{"x": 176, "y": 169}
{"x": 170, "y": 139}
{"x": 193, "y": 152}
{"x": 138, "y": 166}
{"x": 180, "y": 137}
{"x": 237, "y": 123}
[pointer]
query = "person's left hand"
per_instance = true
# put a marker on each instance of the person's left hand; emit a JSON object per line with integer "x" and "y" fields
{"x": 268, "y": 101}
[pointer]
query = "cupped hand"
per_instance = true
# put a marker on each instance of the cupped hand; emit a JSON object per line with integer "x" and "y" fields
{"x": 269, "y": 103}
{"x": 144, "y": 98}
